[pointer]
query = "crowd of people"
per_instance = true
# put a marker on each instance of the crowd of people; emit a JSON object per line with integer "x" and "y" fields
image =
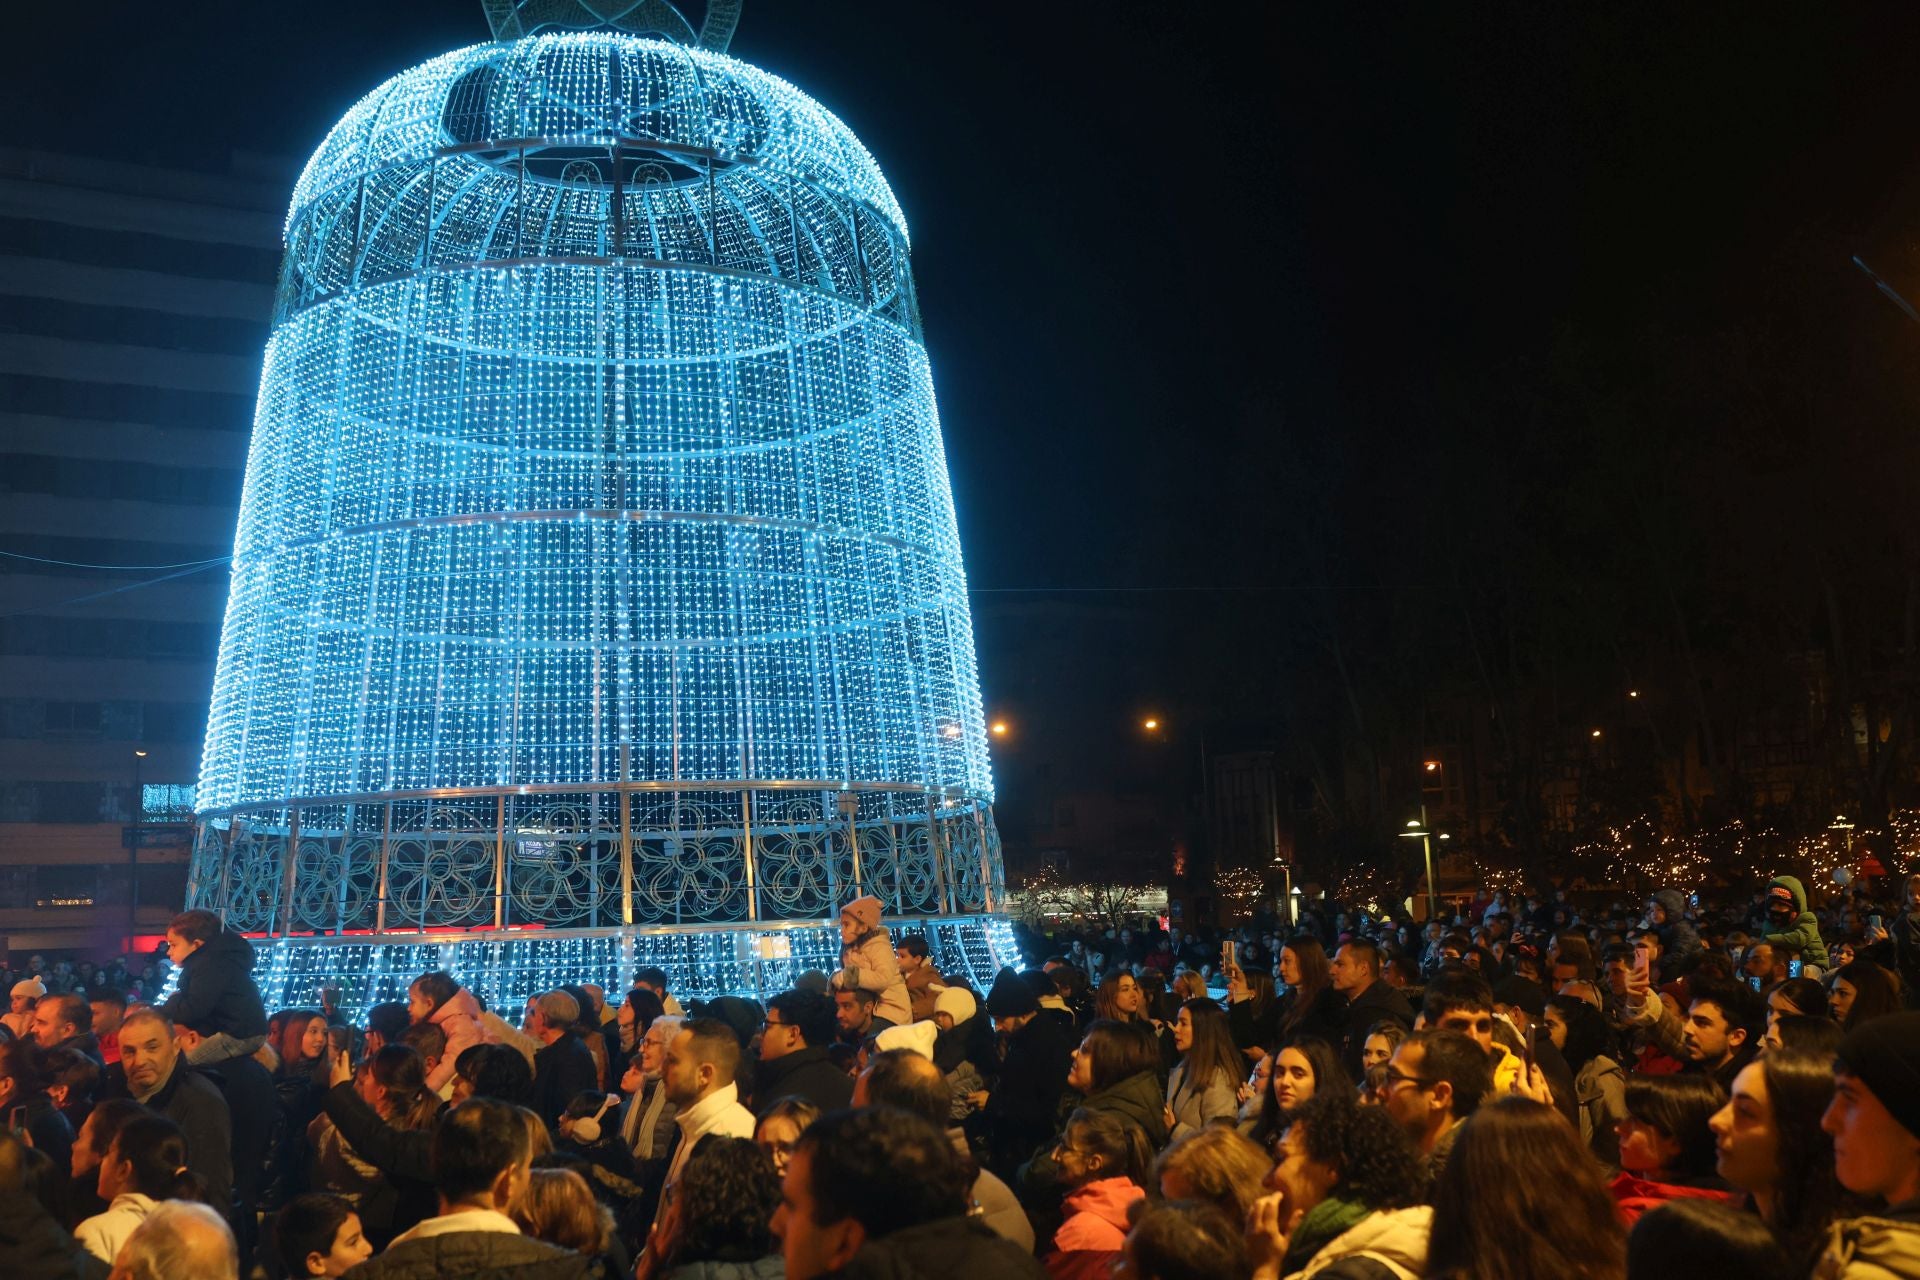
{"x": 1530, "y": 1088}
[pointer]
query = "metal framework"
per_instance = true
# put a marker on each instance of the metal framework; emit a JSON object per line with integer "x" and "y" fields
{"x": 597, "y": 565}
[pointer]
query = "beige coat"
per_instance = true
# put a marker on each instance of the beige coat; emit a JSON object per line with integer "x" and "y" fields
{"x": 873, "y": 966}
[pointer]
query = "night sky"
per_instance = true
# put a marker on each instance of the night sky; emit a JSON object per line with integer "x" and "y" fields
{"x": 1228, "y": 302}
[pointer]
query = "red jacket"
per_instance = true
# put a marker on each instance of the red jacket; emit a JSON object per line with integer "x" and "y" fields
{"x": 1095, "y": 1229}
{"x": 1636, "y": 1195}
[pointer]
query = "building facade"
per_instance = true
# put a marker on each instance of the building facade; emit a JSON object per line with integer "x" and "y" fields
{"x": 133, "y": 304}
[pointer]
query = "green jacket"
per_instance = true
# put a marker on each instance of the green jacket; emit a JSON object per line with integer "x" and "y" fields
{"x": 1805, "y": 933}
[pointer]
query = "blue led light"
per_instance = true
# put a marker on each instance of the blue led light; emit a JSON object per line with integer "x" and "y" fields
{"x": 669, "y": 479}
{"x": 596, "y": 532}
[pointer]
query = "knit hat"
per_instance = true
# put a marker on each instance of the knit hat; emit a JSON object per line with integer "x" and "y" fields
{"x": 865, "y": 912}
{"x": 1884, "y": 1055}
{"x": 1010, "y": 997}
{"x": 918, "y": 1037}
{"x": 1040, "y": 982}
{"x": 958, "y": 1002}
{"x": 30, "y": 987}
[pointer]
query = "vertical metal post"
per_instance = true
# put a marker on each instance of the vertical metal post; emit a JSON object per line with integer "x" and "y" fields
{"x": 940, "y": 878}
{"x": 226, "y": 870}
{"x": 386, "y": 850}
{"x": 626, "y": 836}
{"x": 500, "y": 862}
{"x": 986, "y": 860}
{"x": 746, "y": 847}
{"x": 346, "y": 874}
{"x": 293, "y": 859}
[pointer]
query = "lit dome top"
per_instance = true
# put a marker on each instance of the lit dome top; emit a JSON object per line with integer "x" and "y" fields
{"x": 594, "y": 144}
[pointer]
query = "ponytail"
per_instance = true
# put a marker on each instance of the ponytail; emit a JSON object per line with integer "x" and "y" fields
{"x": 157, "y": 1150}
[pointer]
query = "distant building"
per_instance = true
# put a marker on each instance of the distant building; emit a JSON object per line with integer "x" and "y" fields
{"x": 133, "y": 308}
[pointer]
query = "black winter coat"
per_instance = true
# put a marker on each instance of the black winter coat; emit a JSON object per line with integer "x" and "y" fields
{"x": 806, "y": 1073}
{"x": 33, "y": 1244}
{"x": 217, "y": 993}
{"x": 194, "y": 1103}
{"x": 405, "y": 1156}
{"x": 561, "y": 1072}
{"x": 478, "y": 1255}
{"x": 949, "y": 1249}
{"x": 1020, "y": 1108}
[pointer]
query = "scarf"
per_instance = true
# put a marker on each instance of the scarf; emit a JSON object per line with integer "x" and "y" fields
{"x": 1325, "y": 1222}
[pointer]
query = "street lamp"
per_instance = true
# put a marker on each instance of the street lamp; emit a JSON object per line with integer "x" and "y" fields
{"x": 1417, "y": 830}
{"x": 999, "y": 728}
{"x": 1151, "y": 724}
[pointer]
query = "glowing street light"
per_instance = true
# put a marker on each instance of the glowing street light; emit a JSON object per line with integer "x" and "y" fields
{"x": 1417, "y": 830}
{"x": 1151, "y": 724}
{"x": 999, "y": 728}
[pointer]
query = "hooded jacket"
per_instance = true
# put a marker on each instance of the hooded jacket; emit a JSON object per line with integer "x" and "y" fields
{"x": 1094, "y": 1230}
{"x": 217, "y": 994}
{"x": 459, "y": 1017}
{"x": 1885, "y": 1246}
{"x": 1393, "y": 1240}
{"x": 873, "y": 965}
{"x": 1136, "y": 1100}
{"x": 1677, "y": 936}
{"x": 1804, "y": 933}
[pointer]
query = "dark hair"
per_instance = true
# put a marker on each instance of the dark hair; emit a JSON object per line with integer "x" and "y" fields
{"x": 195, "y": 926}
{"x": 400, "y": 1073}
{"x": 1521, "y": 1197}
{"x": 646, "y": 1007}
{"x": 1458, "y": 1059}
{"x": 728, "y": 1192}
{"x": 390, "y": 1020}
{"x": 1807, "y": 1034}
{"x": 106, "y": 995}
{"x": 904, "y": 1079}
{"x": 1571, "y": 948}
{"x": 865, "y": 997}
{"x": 428, "y": 1039}
{"x": 1315, "y": 977}
{"x": 1376, "y": 1161}
{"x": 109, "y": 1118}
{"x": 1587, "y": 1034}
{"x": 1366, "y": 951}
{"x": 1455, "y": 987}
{"x": 73, "y": 1008}
{"x": 652, "y": 974}
{"x": 915, "y": 945}
{"x": 1799, "y": 1087}
{"x": 1119, "y": 1143}
{"x": 1212, "y": 1055}
{"x": 1735, "y": 1000}
{"x": 1328, "y": 1074}
{"x": 1187, "y": 1240}
{"x": 496, "y": 1071}
{"x": 157, "y": 1150}
{"x": 809, "y": 1011}
{"x": 1875, "y": 995}
{"x": 1804, "y": 994}
{"x": 884, "y": 1168}
{"x": 1699, "y": 1237}
{"x": 1678, "y": 1107}
{"x": 714, "y": 1042}
{"x": 21, "y": 1064}
{"x": 310, "y": 1223}
{"x": 438, "y": 987}
{"x": 475, "y": 1143}
{"x": 75, "y": 1070}
{"x": 1119, "y": 1050}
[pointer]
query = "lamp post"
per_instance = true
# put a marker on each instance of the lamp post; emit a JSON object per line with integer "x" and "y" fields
{"x": 1417, "y": 830}
{"x": 133, "y": 847}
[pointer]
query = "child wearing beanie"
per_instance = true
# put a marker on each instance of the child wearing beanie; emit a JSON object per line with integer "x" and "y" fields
{"x": 867, "y": 961}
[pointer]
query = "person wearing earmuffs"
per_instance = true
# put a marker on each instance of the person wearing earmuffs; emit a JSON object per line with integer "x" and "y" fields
{"x": 590, "y": 1129}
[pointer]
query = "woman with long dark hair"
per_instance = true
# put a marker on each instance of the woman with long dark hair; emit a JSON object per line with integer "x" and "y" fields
{"x": 1579, "y": 1032}
{"x": 1520, "y": 1198}
{"x": 1103, "y": 1163}
{"x": 1304, "y": 1069}
{"x": 1205, "y": 1085}
{"x": 1796, "y": 996}
{"x": 1861, "y": 992}
{"x": 145, "y": 1164}
{"x": 1771, "y": 1146}
{"x": 1311, "y": 1007}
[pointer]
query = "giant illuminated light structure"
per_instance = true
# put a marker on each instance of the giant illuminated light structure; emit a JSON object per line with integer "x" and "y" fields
{"x": 597, "y": 597}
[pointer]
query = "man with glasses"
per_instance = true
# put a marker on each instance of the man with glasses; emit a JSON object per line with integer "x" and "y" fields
{"x": 793, "y": 1054}
{"x": 1435, "y": 1080}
